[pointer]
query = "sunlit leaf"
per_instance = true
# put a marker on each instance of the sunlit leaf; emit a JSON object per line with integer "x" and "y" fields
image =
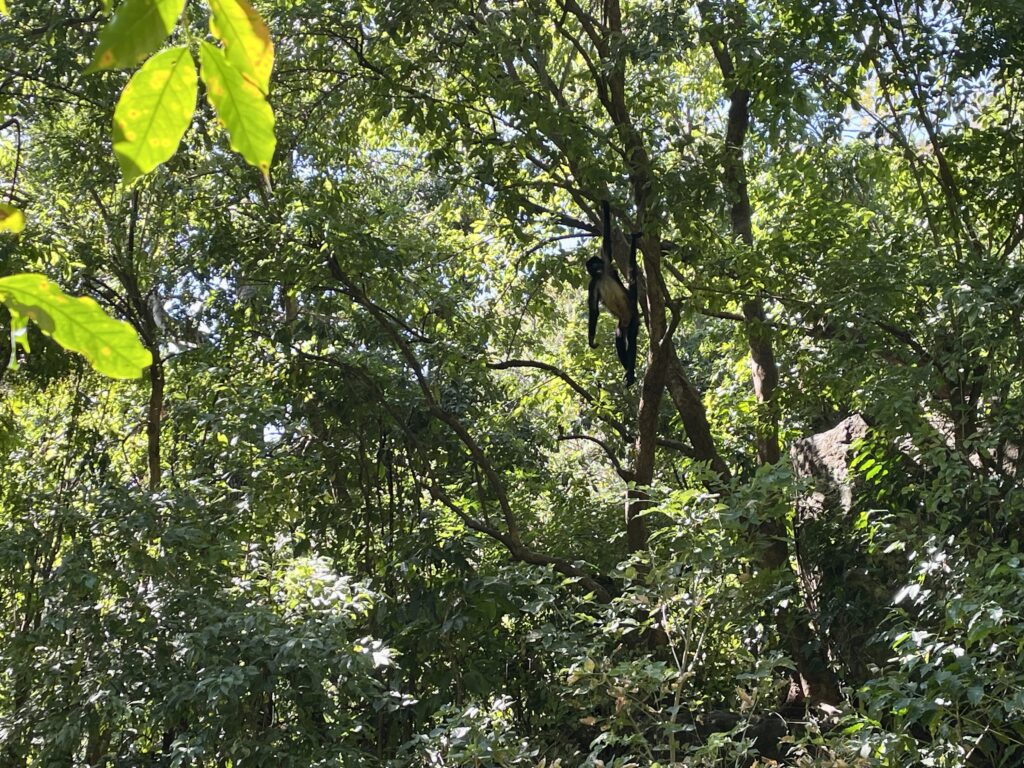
{"x": 3, "y": 8}
{"x": 137, "y": 29}
{"x": 154, "y": 111}
{"x": 11, "y": 219}
{"x": 77, "y": 324}
{"x": 246, "y": 39}
{"x": 241, "y": 107}
{"x": 19, "y": 338}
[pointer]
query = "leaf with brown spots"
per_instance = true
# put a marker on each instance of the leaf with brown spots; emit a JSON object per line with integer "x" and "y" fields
{"x": 78, "y": 324}
{"x": 154, "y": 112}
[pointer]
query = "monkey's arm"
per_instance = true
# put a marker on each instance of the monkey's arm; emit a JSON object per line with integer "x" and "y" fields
{"x": 632, "y": 276}
{"x": 592, "y": 310}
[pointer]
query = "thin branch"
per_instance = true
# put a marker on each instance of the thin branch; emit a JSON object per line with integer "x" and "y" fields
{"x": 509, "y": 539}
{"x": 474, "y": 448}
{"x": 520, "y": 552}
{"x": 336, "y": 273}
{"x": 620, "y": 428}
{"x": 562, "y": 219}
{"x": 623, "y": 473}
{"x": 553, "y": 370}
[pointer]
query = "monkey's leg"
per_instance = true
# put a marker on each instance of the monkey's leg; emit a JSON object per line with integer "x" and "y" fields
{"x": 631, "y": 334}
{"x": 626, "y": 351}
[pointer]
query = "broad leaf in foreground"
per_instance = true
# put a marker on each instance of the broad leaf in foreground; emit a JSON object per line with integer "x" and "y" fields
{"x": 241, "y": 106}
{"x": 154, "y": 112}
{"x": 76, "y": 323}
{"x": 137, "y": 29}
{"x": 246, "y": 39}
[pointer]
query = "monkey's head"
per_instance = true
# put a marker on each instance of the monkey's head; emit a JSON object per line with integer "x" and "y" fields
{"x": 595, "y": 266}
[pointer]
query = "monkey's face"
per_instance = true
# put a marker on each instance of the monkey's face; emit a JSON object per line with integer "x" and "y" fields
{"x": 595, "y": 266}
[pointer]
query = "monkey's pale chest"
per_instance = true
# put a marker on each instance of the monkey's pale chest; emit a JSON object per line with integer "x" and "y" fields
{"x": 614, "y": 297}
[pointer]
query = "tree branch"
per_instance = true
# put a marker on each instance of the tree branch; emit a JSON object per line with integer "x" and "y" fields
{"x": 623, "y": 473}
{"x": 474, "y": 448}
{"x": 509, "y": 540}
{"x": 521, "y": 552}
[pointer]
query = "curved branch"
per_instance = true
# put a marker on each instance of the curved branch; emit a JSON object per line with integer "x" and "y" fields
{"x": 453, "y": 423}
{"x": 521, "y": 552}
{"x": 576, "y": 387}
{"x": 623, "y": 473}
{"x": 515, "y": 548}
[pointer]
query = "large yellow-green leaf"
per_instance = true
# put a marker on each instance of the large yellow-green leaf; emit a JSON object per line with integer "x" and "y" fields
{"x": 77, "y": 324}
{"x": 11, "y": 219}
{"x": 154, "y": 111}
{"x": 3, "y": 7}
{"x": 246, "y": 39}
{"x": 241, "y": 107}
{"x": 137, "y": 29}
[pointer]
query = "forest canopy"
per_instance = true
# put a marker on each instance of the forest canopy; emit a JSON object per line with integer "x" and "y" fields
{"x": 377, "y": 500}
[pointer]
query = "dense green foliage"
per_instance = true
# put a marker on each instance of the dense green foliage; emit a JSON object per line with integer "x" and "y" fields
{"x": 376, "y": 502}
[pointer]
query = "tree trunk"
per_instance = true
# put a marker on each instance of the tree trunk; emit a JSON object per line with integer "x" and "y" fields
{"x": 814, "y": 680}
{"x": 153, "y": 418}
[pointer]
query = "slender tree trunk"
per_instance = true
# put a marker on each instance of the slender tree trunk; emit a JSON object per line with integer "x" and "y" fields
{"x": 764, "y": 371}
{"x": 638, "y": 499}
{"x": 814, "y": 680}
{"x": 695, "y": 421}
{"x": 153, "y": 418}
{"x": 641, "y": 179}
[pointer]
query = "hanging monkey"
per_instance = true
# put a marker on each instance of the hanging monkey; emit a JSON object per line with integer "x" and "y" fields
{"x": 606, "y": 288}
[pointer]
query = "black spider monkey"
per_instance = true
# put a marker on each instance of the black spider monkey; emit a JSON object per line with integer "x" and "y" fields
{"x": 606, "y": 287}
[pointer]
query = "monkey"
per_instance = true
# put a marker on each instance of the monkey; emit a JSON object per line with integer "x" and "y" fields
{"x": 606, "y": 288}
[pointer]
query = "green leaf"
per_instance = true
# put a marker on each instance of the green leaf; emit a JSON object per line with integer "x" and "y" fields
{"x": 11, "y": 219}
{"x": 19, "y": 338}
{"x": 137, "y": 29}
{"x": 77, "y": 324}
{"x": 154, "y": 111}
{"x": 246, "y": 39}
{"x": 241, "y": 106}
{"x": 3, "y": 8}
